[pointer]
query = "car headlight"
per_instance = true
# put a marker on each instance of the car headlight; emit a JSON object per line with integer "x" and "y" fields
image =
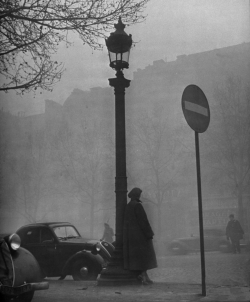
{"x": 98, "y": 247}
{"x": 14, "y": 241}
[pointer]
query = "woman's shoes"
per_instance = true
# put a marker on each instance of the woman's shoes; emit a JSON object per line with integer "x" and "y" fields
{"x": 143, "y": 280}
{"x": 149, "y": 280}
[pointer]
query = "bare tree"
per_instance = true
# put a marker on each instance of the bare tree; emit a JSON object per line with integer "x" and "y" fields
{"x": 228, "y": 147}
{"x": 153, "y": 158}
{"x": 27, "y": 171}
{"x": 81, "y": 154}
{"x": 31, "y": 31}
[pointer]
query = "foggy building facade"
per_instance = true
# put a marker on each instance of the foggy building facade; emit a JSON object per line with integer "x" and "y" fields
{"x": 59, "y": 165}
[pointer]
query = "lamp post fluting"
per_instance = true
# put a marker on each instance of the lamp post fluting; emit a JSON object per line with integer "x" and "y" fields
{"x": 119, "y": 44}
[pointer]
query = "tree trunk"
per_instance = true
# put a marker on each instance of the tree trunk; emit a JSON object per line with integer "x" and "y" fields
{"x": 240, "y": 207}
{"x": 92, "y": 217}
{"x": 159, "y": 213}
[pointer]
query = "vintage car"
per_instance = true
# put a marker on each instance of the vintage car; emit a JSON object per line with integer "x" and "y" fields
{"x": 20, "y": 274}
{"x": 214, "y": 240}
{"x": 60, "y": 250}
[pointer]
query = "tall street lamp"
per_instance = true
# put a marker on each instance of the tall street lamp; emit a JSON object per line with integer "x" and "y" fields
{"x": 119, "y": 44}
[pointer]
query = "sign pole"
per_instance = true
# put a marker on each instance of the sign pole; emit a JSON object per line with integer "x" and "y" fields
{"x": 197, "y": 114}
{"x": 203, "y": 271}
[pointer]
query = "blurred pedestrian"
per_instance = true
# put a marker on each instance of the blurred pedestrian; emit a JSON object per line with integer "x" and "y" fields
{"x": 108, "y": 233}
{"x": 138, "y": 250}
{"x": 234, "y": 232}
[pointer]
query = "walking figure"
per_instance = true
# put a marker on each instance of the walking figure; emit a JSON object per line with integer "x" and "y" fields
{"x": 234, "y": 232}
{"x": 108, "y": 233}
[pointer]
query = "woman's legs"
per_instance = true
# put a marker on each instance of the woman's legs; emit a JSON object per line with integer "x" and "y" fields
{"x": 142, "y": 277}
{"x": 145, "y": 278}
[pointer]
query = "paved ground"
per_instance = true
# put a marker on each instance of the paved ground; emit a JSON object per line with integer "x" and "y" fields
{"x": 72, "y": 291}
{"x": 178, "y": 278}
{"x": 221, "y": 269}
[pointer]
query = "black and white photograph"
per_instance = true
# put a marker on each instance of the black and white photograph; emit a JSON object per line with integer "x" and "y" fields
{"x": 124, "y": 150}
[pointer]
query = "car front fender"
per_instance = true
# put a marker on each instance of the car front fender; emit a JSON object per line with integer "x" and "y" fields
{"x": 97, "y": 260}
{"x": 26, "y": 267}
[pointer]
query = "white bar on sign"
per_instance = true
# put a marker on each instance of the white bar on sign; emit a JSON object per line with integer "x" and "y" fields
{"x": 196, "y": 108}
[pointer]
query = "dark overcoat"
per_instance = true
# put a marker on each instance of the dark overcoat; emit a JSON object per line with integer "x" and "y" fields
{"x": 138, "y": 250}
{"x": 234, "y": 230}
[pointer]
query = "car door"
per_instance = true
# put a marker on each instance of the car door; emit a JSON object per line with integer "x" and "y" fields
{"x": 66, "y": 248}
{"x": 193, "y": 243}
{"x": 40, "y": 242}
{"x": 30, "y": 238}
{"x": 49, "y": 252}
{"x": 210, "y": 240}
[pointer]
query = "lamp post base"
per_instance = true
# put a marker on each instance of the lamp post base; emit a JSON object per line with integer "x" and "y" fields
{"x": 115, "y": 274}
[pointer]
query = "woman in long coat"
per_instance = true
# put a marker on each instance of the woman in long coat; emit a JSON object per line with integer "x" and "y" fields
{"x": 138, "y": 250}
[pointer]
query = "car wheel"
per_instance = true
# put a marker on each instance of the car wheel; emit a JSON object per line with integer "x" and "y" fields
{"x": 26, "y": 297}
{"x": 84, "y": 270}
{"x": 177, "y": 249}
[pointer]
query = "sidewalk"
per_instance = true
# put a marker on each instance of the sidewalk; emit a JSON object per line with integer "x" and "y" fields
{"x": 166, "y": 292}
{"x": 88, "y": 291}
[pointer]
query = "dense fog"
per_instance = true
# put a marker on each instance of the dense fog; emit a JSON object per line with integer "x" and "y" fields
{"x": 59, "y": 165}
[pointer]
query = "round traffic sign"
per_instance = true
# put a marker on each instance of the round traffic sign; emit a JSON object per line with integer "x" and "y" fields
{"x": 195, "y": 108}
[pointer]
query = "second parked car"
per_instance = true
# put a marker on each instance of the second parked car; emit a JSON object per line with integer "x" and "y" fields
{"x": 60, "y": 250}
{"x": 214, "y": 240}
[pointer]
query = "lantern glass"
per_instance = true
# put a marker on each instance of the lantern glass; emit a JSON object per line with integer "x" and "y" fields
{"x": 125, "y": 56}
{"x": 119, "y": 44}
{"x": 119, "y": 60}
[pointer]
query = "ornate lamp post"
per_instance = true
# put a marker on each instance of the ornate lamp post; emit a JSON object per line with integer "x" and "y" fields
{"x": 119, "y": 44}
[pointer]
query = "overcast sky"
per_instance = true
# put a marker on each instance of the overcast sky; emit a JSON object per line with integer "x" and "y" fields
{"x": 172, "y": 28}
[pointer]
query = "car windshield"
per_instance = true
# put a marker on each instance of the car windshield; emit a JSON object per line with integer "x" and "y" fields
{"x": 64, "y": 232}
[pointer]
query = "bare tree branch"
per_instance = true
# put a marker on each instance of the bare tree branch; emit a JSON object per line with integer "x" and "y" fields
{"x": 31, "y": 32}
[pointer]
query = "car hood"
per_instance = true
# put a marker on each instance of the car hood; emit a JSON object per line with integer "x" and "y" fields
{"x": 186, "y": 239}
{"x": 79, "y": 240}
